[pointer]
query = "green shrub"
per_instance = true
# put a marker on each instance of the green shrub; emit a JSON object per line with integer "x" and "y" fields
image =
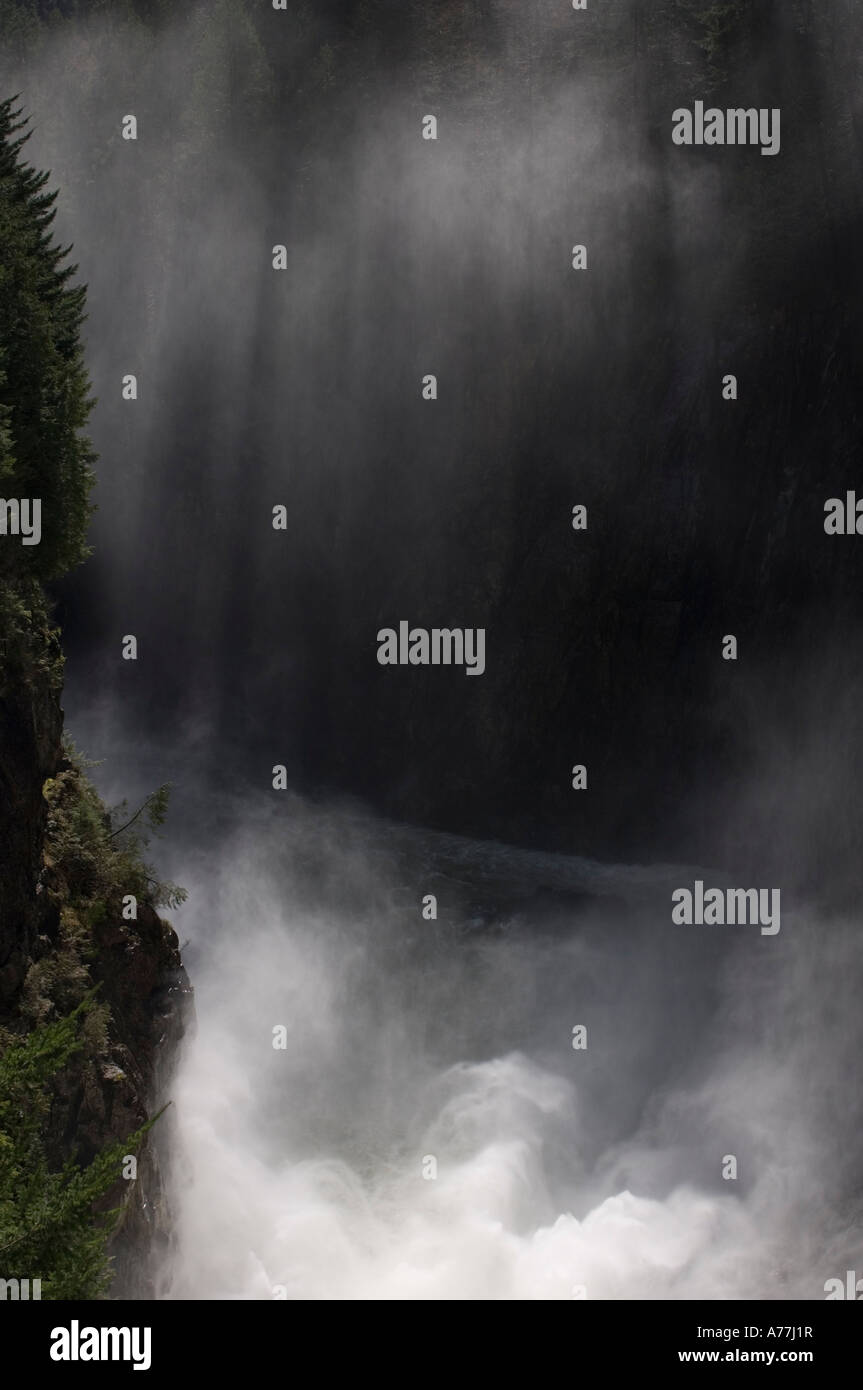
{"x": 48, "y": 1229}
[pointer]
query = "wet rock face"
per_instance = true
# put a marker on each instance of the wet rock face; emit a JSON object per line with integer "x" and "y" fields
{"x": 137, "y": 965}
{"x": 142, "y": 979}
{"x": 146, "y": 985}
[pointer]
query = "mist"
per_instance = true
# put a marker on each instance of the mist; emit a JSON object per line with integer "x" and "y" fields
{"x": 303, "y": 1171}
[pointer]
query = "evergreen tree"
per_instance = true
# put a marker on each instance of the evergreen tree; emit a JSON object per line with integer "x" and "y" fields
{"x": 47, "y": 1227}
{"x": 44, "y": 390}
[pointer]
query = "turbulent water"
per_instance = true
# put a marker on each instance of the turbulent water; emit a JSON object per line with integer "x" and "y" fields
{"x": 429, "y": 1131}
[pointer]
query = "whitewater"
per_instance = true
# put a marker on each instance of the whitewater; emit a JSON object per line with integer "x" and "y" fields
{"x": 428, "y": 1130}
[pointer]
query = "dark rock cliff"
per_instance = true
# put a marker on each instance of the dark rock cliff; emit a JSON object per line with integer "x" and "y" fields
{"x": 61, "y": 935}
